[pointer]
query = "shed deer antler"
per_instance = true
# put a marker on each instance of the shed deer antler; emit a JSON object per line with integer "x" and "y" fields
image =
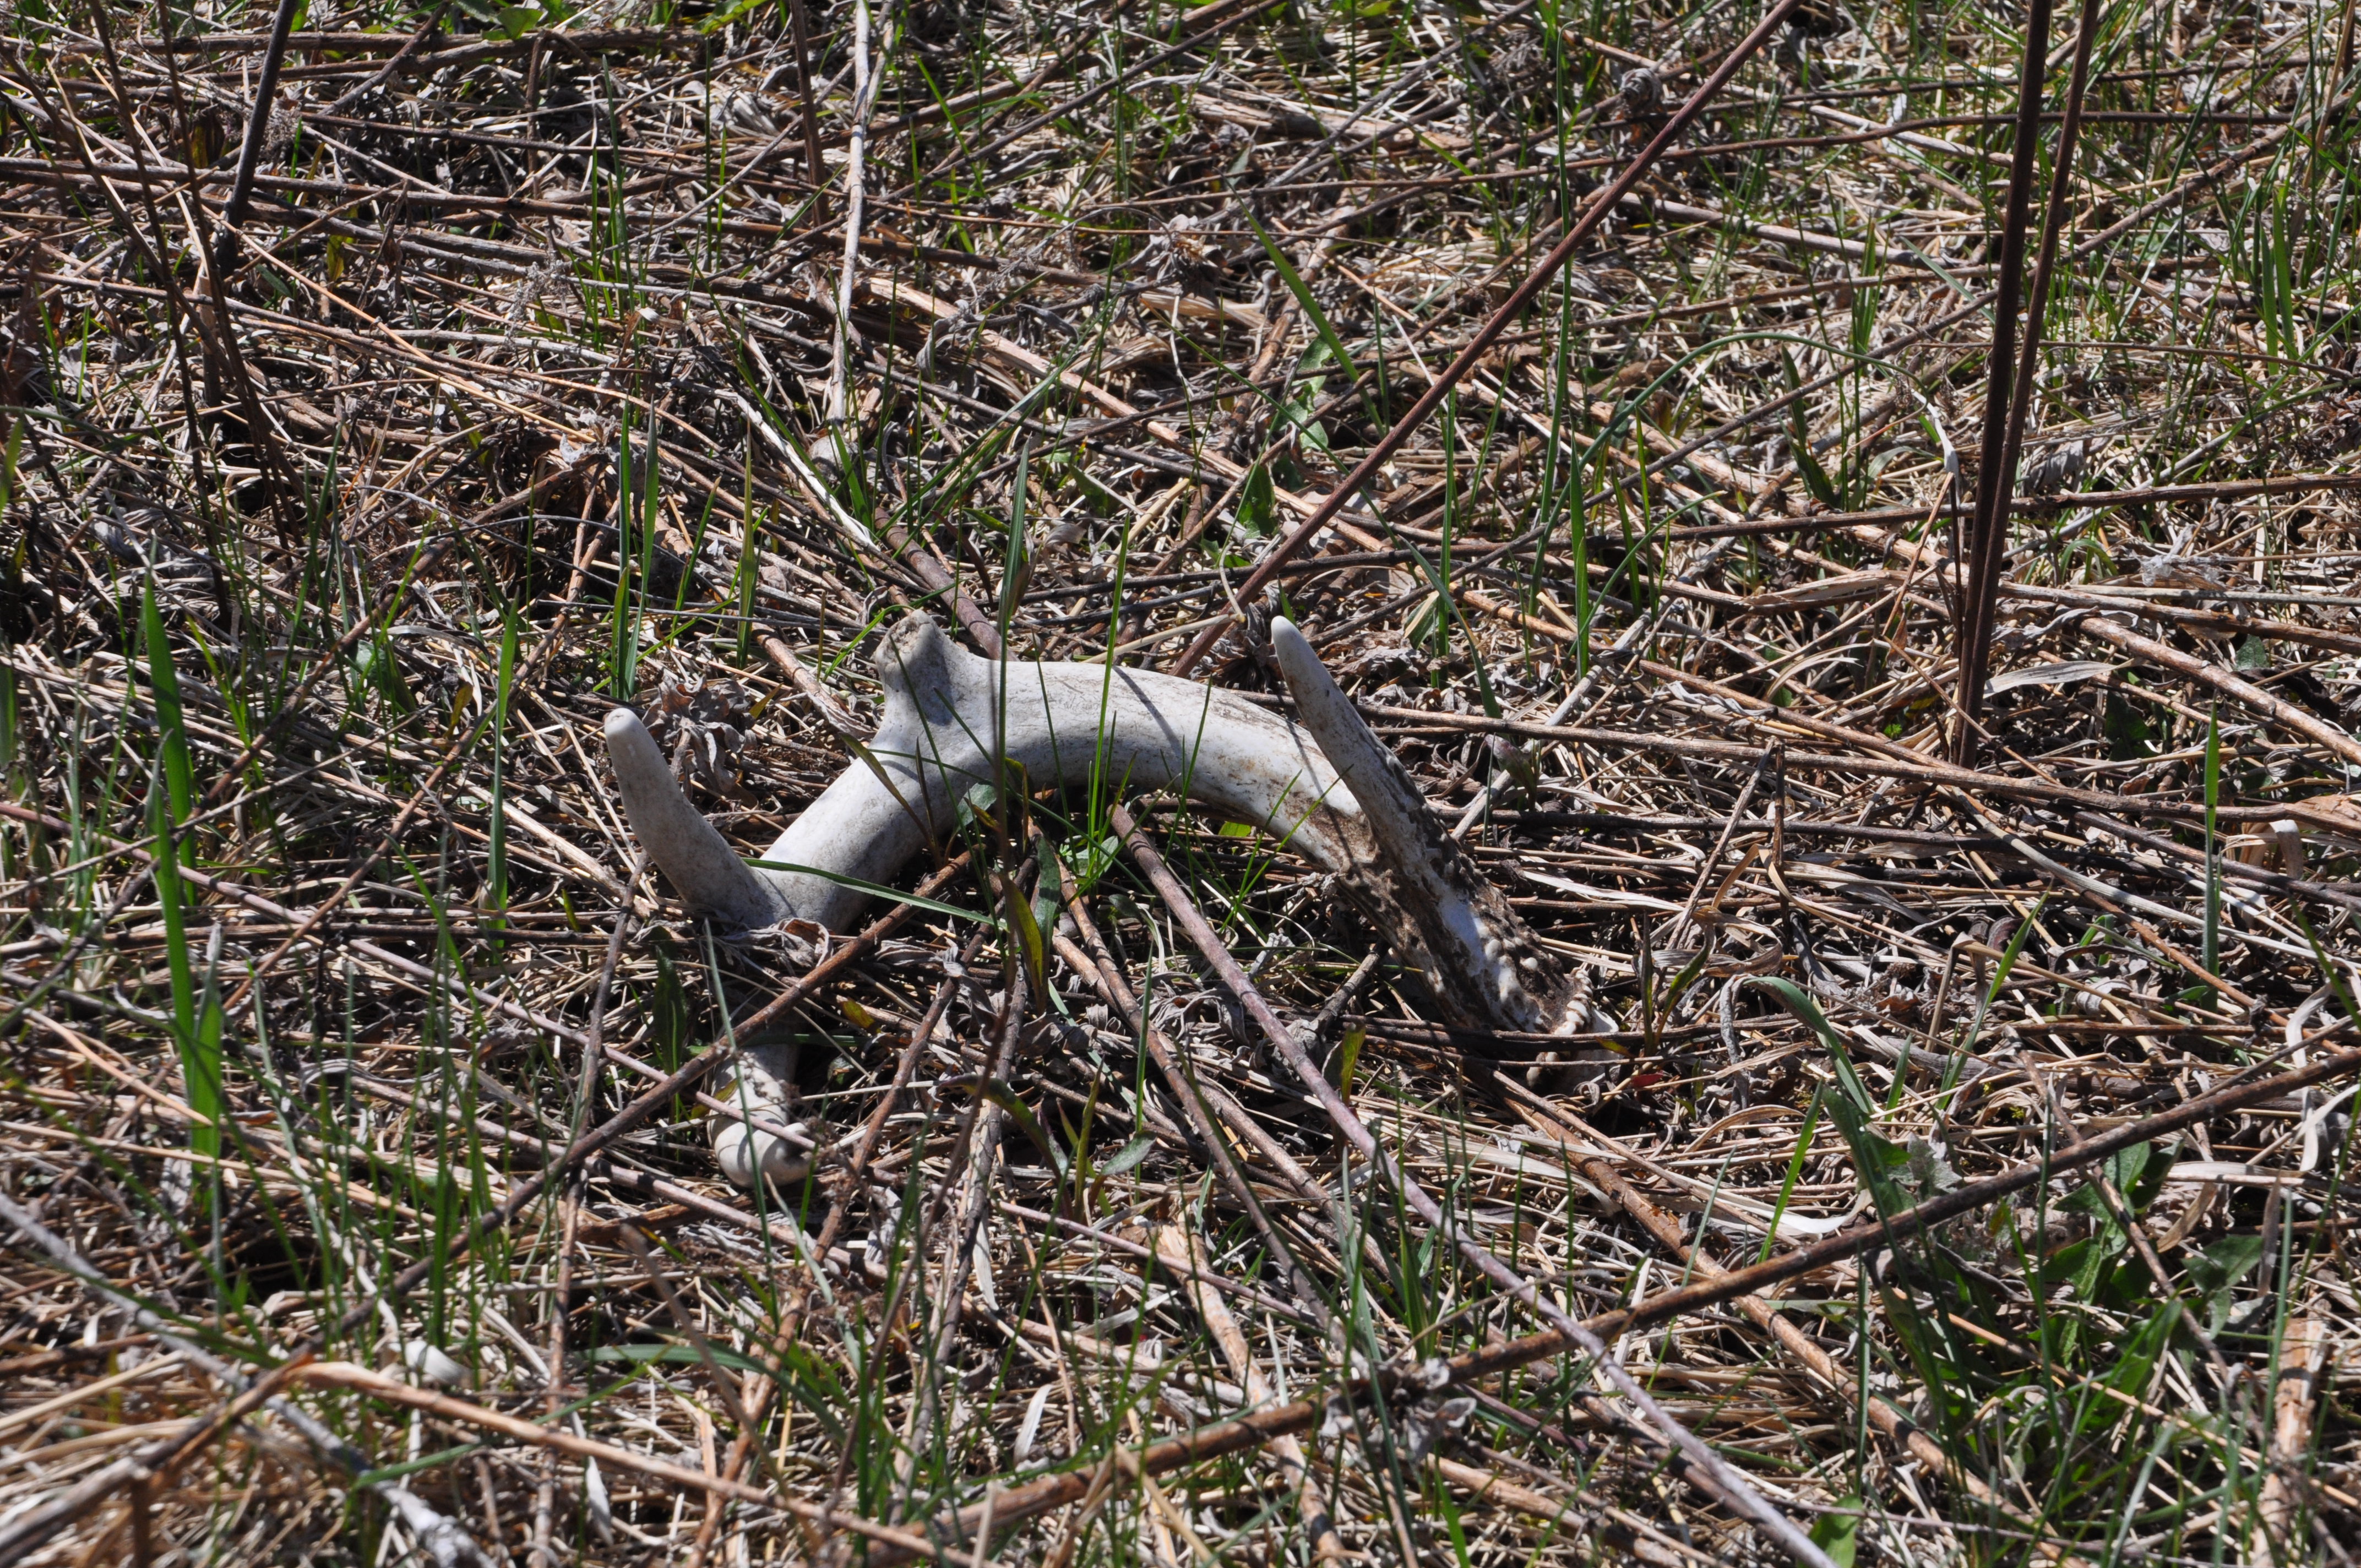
{"x": 1326, "y": 788}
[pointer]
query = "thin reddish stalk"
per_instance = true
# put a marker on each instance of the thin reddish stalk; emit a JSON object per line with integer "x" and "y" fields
{"x": 1988, "y": 529}
{"x": 249, "y": 156}
{"x": 1481, "y": 344}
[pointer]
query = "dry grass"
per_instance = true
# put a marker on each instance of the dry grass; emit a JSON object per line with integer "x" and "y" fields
{"x": 534, "y": 385}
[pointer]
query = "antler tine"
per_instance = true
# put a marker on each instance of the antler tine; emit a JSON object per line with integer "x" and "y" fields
{"x": 704, "y": 868}
{"x": 1478, "y": 955}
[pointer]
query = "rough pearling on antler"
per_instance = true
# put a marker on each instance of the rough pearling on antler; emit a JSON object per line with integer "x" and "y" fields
{"x": 1480, "y": 957}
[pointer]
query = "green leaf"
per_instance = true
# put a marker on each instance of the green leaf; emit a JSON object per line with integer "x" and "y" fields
{"x": 1297, "y": 414}
{"x": 2222, "y": 1266}
{"x": 2123, "y": 1168}
{"x": 1799, "y": 442}
{"x": 1349, "y": 1057}
{"x": 200, "y": 1068}
{"x": 1050, "y": 892}
{"x": 211, "y": 1023}
{"x": 375, "y": 662}
{"x": 2072, "y": 1262}
{"x": 167, "y": 808}
{"x": 2126, "y": 726}
{"x": 2131, "y": 1373}
{"x": 2084, "y": 1201}
{"x": 1302, "y": 292}
{"x": 1835, "y": 1531}
{"x": 979, "y": 804}
{"x": 1815, "y": 478}
{"x": 1877, "y": 1161}
{"x": 2128, "y": 1169}
{"x": 1258, "y": 503}
{"x": 1856, "y": 1092}
{"x": 1450, "y": 1511}
{"x": 815, "y": 1385}
{"x": 1031, "y": 944}
{"x": 1799, "y": 1001}
{"x": 171, "y": 728}
{"x": 424, "y": 1462}
{"x": 518, "y": 20}
{"x": 1794, "y": 1169}
{"x": 2083, "y": 1265}
{"x": 1130, "y": 1156}
{"x": 722, "y": 18}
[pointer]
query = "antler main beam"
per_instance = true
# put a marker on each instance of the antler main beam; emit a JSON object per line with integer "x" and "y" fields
{"x": 950, "y": 716}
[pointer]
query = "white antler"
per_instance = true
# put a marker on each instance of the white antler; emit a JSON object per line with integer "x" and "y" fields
{"x": 1328, "y": 789}
{"x": 948, "y": 714}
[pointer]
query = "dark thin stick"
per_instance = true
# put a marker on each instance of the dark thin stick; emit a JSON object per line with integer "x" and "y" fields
{"x": 799, "y": 29}
{"x": 2054, "y": 221}
{"x": 1988, "y": 530}
{"x": 250, "y": 157}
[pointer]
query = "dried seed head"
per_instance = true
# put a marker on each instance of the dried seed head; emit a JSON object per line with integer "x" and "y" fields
{"x": 279, "y": 131}
{"x": 1642, "y": 90}
{"x": 2058, "y": 469}
{"x": 700, "y": 725}
{"x": 1183, "y": 249}
{"x": 528, "y": 291}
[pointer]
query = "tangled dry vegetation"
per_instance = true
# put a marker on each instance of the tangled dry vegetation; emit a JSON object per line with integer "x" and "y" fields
{"x": 357, "y": 1189}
